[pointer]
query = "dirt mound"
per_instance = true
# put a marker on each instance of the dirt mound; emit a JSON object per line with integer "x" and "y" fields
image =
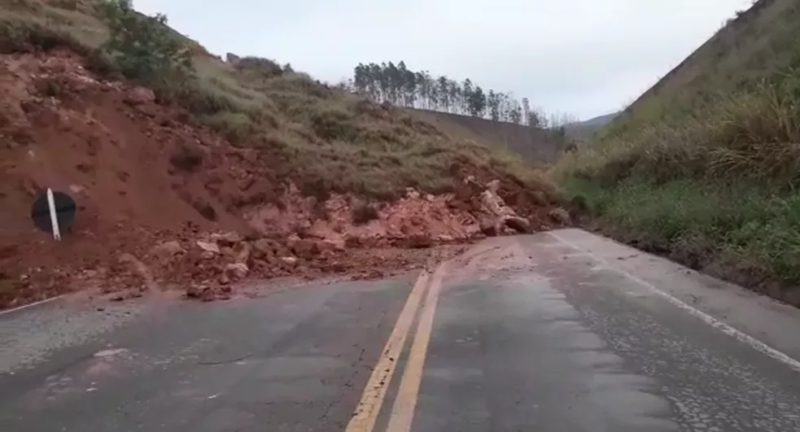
{"x": 151, "y": 187}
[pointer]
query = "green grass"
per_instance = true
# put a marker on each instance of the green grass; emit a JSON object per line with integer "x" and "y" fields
{"x": 323, "y": 139}
{"x": 740, "y": 232}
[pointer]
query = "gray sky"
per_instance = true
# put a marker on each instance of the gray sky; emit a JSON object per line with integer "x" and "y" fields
{"x": 582, "y": 57}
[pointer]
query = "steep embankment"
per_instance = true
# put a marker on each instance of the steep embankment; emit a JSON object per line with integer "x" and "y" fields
{"x": 194, "y": 172}
{"x": 535, "y": 145}
{"x": 704, "y": 166}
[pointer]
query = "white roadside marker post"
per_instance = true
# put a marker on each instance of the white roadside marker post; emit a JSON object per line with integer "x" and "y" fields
{"x": 53, "y": 218}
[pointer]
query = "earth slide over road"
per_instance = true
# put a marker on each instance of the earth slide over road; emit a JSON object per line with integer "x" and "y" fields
{"x": 558, "y": 331}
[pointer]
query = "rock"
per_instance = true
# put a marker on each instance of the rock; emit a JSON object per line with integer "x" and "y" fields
{"x": 289, "y": 260}
{"x": 168, "y": 249}
{"x": 489, "y": 227}
{"x": 368, "y": 275}
{"x": 263, "y": 248}
{"x": 236, "y": 271}
{"x": 335, "y": 267}
{"x": 518, "y": 224}
{"x": 419, "y": 241}
{"x": 140, "y": 95}
{"x": 197, "y": 291}
{"x": 560, "y": 215}
{"x": 242, "y": 252}
{"x": 227, "y": 239}
{"x": 304, "y": 248}
{"x": 411, "y": 193}
{"x": 331, "y": 245}
{"x": 211, "y": 248}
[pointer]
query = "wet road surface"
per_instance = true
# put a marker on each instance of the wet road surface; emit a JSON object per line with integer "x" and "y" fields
{"x": 560, "y": 331}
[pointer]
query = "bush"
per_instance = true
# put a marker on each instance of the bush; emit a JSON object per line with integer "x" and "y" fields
{"x": 142, "y": 47}
{"x": 20, "y": 36}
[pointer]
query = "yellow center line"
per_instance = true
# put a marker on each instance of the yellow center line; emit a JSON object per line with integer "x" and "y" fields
{"x": 366, "y": 413}
{"x": 403, "y": 409}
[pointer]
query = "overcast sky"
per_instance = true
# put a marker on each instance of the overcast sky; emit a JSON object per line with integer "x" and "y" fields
{"x": 582, "y": 57}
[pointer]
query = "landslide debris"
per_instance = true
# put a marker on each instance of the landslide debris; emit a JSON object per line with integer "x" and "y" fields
{"x": 167, "y": 199}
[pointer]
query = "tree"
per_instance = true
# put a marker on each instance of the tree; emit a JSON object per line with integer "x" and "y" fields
{"x": 394, "y": 82}
{"x": 375, "y": 74}
{"x": 410, "y": 88}
{"x": 466, "y": 96}
{"x": 526, "y": 110}
{"x": 455, "y": 95}
{"x": 477, "y": 102}
{"x": 143, "y": 47}
{"x": 515, "y": 115}
{"x": 493, "y": 102}
{"x": 536, "y": 119}
{"x": 444, "y": 93}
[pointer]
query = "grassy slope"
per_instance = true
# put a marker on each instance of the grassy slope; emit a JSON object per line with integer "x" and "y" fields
{"x": 534, "y": 144}
{"x": 325, "y": 140}
{"x": 705, "y": 166}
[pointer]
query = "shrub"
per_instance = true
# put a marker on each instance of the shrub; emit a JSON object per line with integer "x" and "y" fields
{"x": 143, "y": 47}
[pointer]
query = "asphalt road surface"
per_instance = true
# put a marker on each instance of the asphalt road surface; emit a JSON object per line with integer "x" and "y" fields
{"x": 560, "y": 331}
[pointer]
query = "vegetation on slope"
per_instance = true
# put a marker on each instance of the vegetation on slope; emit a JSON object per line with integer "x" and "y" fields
{"x": 324, "y": 139}
{"x": 705, "y": 166}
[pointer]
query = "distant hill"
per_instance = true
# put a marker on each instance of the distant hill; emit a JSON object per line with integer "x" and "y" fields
{"x": 535, "y": 145}
{"x": 599, "y": 120}
{"x": 584, "y": 129}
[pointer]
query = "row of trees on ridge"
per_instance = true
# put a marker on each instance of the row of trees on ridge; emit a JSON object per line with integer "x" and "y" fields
{"x": 398, "y": 85}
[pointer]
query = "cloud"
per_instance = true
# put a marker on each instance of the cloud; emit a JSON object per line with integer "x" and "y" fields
{"x": 584, "y": 57}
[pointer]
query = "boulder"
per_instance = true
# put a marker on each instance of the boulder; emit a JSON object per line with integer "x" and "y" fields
{"x": 290, "y": 260}
{"x": 168, "y": 249}
{"x": 227, "y": 239}
{"x": 208, "y": 247}
{"x": 242, "y": 252}
{"x": 236, "y": 271}
{"x": 489, "y": 227}
{"x": 560, "y": 215}
{"x": 411, "y": 193}
{"x": 304, "y": 248}
{"x": 518, "y": 224}
{"x": 140, "y": 95}
{"x": 197, "y": 291}
{"x": 331, "y": 245}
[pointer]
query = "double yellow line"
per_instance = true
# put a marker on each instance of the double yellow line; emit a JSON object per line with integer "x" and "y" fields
{"x": 402, "y": 413}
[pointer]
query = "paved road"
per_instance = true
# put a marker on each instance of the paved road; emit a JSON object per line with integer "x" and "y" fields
{"x": 561, "y": 331}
